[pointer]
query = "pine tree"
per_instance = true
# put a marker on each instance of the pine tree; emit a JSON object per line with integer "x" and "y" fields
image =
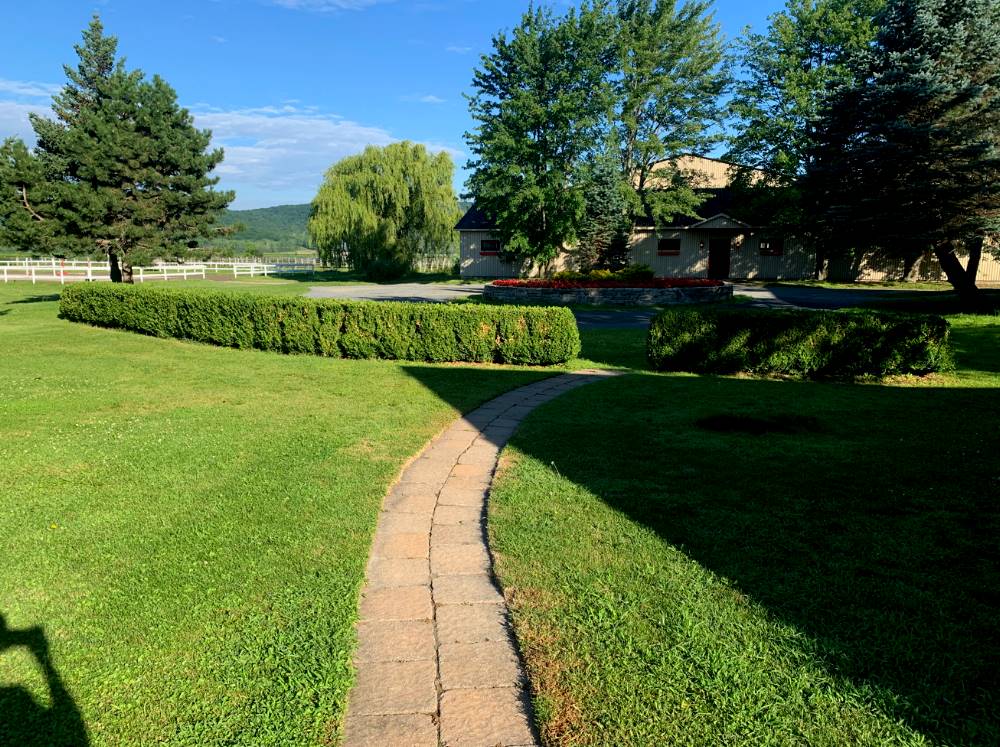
{"x": 908, "y": 156}
{"x": 604, "y": 231}
{"x": 121, "y": 169}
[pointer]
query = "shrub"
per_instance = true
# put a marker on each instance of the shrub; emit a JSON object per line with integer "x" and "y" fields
{"x": 632, "y": 272}
{"x": 809, "y": 344}
{"x": 350, "y": 329}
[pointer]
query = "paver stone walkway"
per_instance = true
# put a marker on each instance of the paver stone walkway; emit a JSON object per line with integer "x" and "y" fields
{"x": 437, "y": 662}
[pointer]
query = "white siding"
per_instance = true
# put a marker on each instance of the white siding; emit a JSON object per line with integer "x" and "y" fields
{"x": 691, "y": 263}
{"x": 796, "y": 263}
{"x": 875, "y": 267}
{"x": 474, "y": 265}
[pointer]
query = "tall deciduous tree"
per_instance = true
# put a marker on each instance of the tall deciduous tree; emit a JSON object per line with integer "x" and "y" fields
{"x": 788, "y": 72}
{"x": 539, "y": 100}
{"x": 909, "y": 154}
{"x": 668, "y": 74}
{"x": 121, "y": 169}
{"x": 386, "y": 206}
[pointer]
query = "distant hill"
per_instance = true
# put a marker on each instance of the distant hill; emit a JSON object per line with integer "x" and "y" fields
{"x": 284, "y": 223}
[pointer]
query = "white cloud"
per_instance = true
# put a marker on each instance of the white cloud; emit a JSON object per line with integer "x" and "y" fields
{"x": 29, "y": 88}
{"x": 279, "y": 154}
{"x": 273, "y": 154}
{"x": 14, "y": 120}
{"x": 219, "y": 39}
{"x": 457, "y": 49}
{"x": 423, "y": 98}
{"x": 326, "y": 6}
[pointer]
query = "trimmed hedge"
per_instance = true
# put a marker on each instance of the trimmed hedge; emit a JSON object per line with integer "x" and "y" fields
{"x": 797, "y": 342}
{"x": 349, "y": 329}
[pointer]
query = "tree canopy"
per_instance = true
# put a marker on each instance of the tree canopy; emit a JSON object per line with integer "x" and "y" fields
{"x": 908, "y": 154}
{"x": 385, "y": 207}
{"x": 121, "y": 168}
{"x": 639, "y": 80}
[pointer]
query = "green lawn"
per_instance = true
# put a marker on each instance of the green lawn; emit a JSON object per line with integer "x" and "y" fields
{"x": 735, "y": 561}
{"x": 186, "y": 527}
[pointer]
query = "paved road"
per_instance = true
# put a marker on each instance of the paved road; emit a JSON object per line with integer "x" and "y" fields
{"x": 437, "y": 292}
{"x": 760, "y": 297}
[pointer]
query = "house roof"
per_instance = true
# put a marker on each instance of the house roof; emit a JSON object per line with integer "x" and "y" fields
{"x": 720, "y": 202}
{"x": 475, "y": 220}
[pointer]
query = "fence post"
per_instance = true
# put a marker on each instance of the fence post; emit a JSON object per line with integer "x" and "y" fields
{"x": 141, "y": 278}
{"x": 32, "y": 274}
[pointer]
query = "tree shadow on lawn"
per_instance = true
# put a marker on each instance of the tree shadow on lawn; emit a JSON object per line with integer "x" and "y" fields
{"x": 870, "y": 522}
{"x": 23, "y": 720}
{"x": 35, "y": 299}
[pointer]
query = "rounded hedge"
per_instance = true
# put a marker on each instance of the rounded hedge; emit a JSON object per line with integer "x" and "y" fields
{"x": 349, "y": 329}
{"x": 797, "y": 342}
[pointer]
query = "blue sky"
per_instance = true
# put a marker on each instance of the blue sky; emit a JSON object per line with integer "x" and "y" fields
{"x": 287, "y": 86}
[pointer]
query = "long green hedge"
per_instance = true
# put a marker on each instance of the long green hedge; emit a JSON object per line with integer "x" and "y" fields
{"x": 348, "y": 329}
{"x": 802, "y": 343}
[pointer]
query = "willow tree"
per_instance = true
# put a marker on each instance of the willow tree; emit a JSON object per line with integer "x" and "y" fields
{"x": 385, "y": 207}
{"x": 121, "y": 169}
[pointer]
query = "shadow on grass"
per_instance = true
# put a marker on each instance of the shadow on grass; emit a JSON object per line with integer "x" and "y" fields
{"x": 977, "y": 348}
{"x": 23, "y": 720}
{"x": 873, "y": 531}
{"x": 35, "y": 299}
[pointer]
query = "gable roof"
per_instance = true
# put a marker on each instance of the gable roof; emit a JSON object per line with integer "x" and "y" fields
{"x": 475, "y": 220}
{"x": 720, "y": 202}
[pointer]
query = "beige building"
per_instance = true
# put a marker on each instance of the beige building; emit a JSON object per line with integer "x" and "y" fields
{"x": 721, "y": 244}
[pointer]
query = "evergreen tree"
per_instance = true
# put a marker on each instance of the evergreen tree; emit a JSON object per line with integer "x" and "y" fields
{"x": 386, "y": 206}
{"x": 667, "y": 75}
{"x": 604, "y": 232}
{"x": 909, "y": 154}
{"x": 787, "y": 73}
{"x": 538, "y": 102}
{"x": 121, "y": 169}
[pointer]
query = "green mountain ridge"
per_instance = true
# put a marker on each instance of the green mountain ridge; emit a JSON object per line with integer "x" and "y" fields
{"x": 284, "y": 223}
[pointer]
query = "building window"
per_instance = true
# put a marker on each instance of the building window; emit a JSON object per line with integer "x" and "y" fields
{"x": 489, "y": 248}
{"x": 668, "y": 248}
{"x": 772, "y": 247}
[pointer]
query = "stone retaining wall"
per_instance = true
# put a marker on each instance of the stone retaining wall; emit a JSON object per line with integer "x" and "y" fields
{"x": 608, "y": 296}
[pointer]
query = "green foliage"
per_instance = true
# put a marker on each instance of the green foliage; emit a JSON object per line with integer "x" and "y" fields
{"x": 351, "y": 329}
{"x": 282, "y": 223}
{"x": 803, "y": 343}
{"x": 668, "y": 73}
{"x": 908, "y": 155}
{"x": 639, "y": 79}
{"x": 121, "y": 169}
{"x": 788, "y": 72}
{"x": 386, "y": 207}
{"x": 632, "y": 272}
{"x": 538, "y": 99}
{"x": 604, "y": 232}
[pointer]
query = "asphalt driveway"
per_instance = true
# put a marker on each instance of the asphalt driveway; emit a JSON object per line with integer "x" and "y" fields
{"x": 759, "y": 296}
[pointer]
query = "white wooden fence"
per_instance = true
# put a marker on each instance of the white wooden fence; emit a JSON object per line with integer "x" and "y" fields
{"x": 68, "y": 270}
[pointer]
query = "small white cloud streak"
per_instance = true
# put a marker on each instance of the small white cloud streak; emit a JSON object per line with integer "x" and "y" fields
{"x": 327, "y": 6}
{"x": 29, "y": 88}
{"x": 423, "y": 98}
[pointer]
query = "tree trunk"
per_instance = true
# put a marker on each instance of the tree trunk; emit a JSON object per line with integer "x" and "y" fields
{"x": 126, "y": 270}
{"x": 116, "y": 270}
{"x": 975, "y": 247}
{"x": 961, "y": 279}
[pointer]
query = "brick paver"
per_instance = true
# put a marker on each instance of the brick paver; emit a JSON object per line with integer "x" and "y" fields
{"x": 437, "y": 662}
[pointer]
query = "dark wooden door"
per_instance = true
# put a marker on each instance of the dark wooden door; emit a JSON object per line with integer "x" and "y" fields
{"x": 718, "y": 257}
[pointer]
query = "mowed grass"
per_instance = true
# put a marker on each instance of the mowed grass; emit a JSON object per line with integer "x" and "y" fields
{"x": 186, "y": 527}
{"x": 734, "y": 561}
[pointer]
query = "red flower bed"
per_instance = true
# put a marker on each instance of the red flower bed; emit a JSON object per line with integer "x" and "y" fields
{"x": 652, "y": 283}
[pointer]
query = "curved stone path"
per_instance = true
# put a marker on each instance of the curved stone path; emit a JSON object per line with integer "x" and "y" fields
{"x": 437, "y": 663}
